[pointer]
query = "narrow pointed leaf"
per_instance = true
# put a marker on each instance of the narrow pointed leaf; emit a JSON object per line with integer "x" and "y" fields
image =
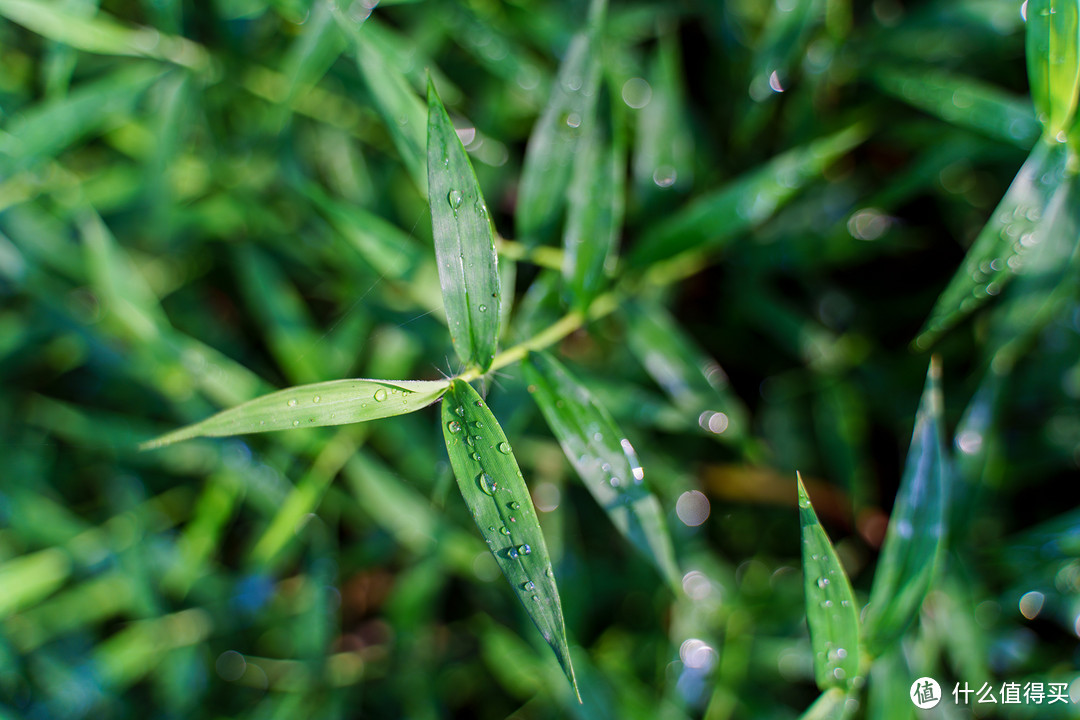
{"x": 338, "y": 402}
{"x": 996, "y": 254}
{"x": 400, "y": 108}
{"x": 594, "y": 216}
{"x": 916, "y": 535}
{"x": 664, "y": 144}
{"x": 491, "y": 483}
{"x": 714, "y": 219}
{"x": 693, "y": 380}
{"x": 464, "y": 241}
{"x": 830, "y": 603}
{"x": 603, "y": 458}
{"x": 965, "y": 102}
{"x": 554, "y": 142}
{"x": 1053, "y": 61}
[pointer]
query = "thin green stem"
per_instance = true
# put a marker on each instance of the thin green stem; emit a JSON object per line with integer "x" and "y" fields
{"x": 601, "y": 306}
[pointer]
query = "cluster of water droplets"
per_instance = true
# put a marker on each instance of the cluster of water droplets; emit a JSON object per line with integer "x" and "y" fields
{"x": 490, "y": 487}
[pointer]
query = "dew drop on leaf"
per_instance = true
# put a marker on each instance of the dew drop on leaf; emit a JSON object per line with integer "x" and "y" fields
{"x": 316, "y": 399}
{"x": 487, "y": 483}
{"x": 454, "y": 198}
{"x": 380, "y": 395}
{"x": 504, "y": 448}
{"x": 454, "y": 426}
{"x": 524, "y": 549}
{"x": 292, "y": 402}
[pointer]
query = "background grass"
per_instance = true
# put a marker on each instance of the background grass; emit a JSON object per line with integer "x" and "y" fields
{"x": 203, "y": 202}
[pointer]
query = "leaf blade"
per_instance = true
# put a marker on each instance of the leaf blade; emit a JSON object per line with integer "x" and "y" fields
{"x": 491, "y": 484}
{"x": 916, "y": 532}
{"x": 337, "y": 402}
{"x": 989, "y": 263}
{"x": 604, "y": 460}
{"x": 464, "y": 241}
{"x": 830, "y": 603}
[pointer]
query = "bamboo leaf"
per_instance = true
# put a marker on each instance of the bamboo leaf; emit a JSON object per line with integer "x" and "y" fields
{"x": 594, "y": 216}
{"x": 916, "y": 535}
{"x": 997, "y": 252}
{"x": 491, "y": 483}
{"x": 1053, "y": 61}
{"x": 554, "y": 143}
{"x": 603, "y": 458}
{"x": 464, "y": 241}
{"x": 338, "y": 402}
{"x": 401, "y": 110}
{"x": 714, "y": 219}
{"x": 830, "y": 603}
{"x": 693, "y": 380}
{"x": 965, "y": 102}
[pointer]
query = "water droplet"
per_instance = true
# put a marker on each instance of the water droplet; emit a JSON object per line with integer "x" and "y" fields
{"x": 573, "y": 120}
{"x": 380, "y": 395}
{"x": 261, "y": 423}
{"x": 454, "y": 426}
{"x": 550, "y": 573}
{"x": 535, "y": 599}
{"x": 316, "y": 399}
{"x": 483, "y": 308}
{"x": 491, "y": 528}
{"x": 513, "y": 519}
{"x": 615, "y": 482}
{"x": 487, "y": 484}
{"x": 665, "y": 176}
{"x": 477, "y": 438}
{"x": 478, "y": 424}
{"x": 460, "y": 411}
{"x": 454, "y": 198}
{"x": 515, "y": 505}
{"x": 529, "y": 585}
{"x": 822, "y": 582}
{"x": 524, "y": 549}
{"x": 296, "y": 423}
{"x": 476, "y": 457}
{"x": 512, "y": 553}
{"x": 504, "y": 531}
{"x": 504, "y": 448}
{"x": 292, "y": 403}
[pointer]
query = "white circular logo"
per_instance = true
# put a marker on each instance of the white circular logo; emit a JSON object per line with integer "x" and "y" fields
{"x": 925, "y": 693}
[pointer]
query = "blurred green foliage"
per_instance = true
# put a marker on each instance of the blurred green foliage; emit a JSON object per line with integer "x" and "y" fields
{"x": 204, "y": 202}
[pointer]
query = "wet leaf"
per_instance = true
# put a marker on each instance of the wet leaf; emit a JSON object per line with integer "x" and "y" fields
{"x": 549, "y": 156}
{"x": 693, "y": 380}
{"x": 713, "y": 220}
{"x": 337, "y": 402}
{"x": 491, "y": 484}
{"x": 997, "y": 252}
{"x": 464, "y": 241}
{"x": 1053, "y": 61}
{"x": 604, "y": 460}
{"x": 916, "y": 535}
{"x": 965, "y": 102}
{"x": 831, "y": 612}
{"x": 594, "y": 216}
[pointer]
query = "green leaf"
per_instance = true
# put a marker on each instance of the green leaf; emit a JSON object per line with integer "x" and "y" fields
{"x": 693, "y": 380}
{"x": 594, "y": 216}
{"x": 664, "y": 144}
{"x": 549, "y": 156}
{"x": 830, "y": 603}
{"x": 101, "y": 33}
{"x": 337, "y": 402}
{"x": 715, "y": 219}
{"x": 997, "y": 252}
{"x": 490, "y": 481}
{"x": 464, "y": 241}
{"x": 1053, "y": 62}
{"x": 43, "y": 130}
{"x": 965, "y": 102}
{"x": 401, "y": 110}
{"x": 603, "y": 458}
{"x": 916, "y": 535}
